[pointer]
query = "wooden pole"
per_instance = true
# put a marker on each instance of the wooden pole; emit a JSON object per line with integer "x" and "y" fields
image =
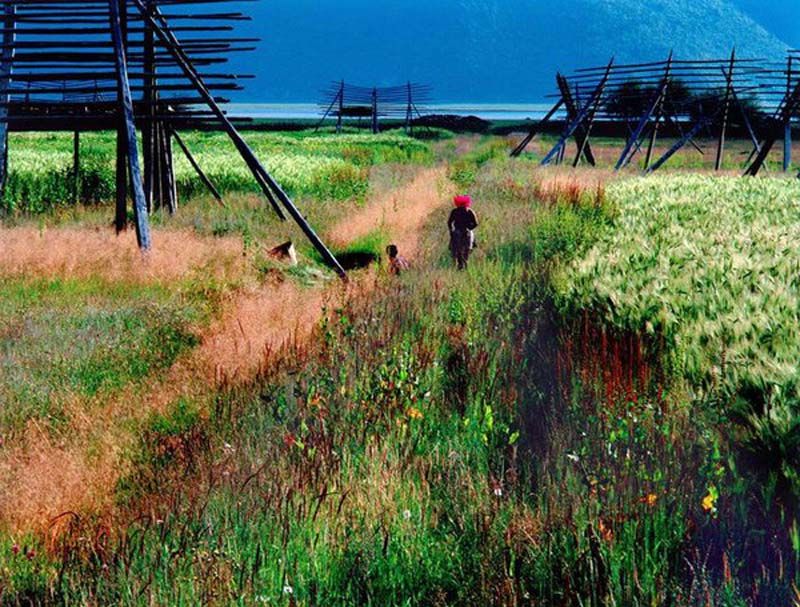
{"x": 6, "y": 72}
{"x": 263, "y": 177}
{"x": 171, "y": 171}
{"x": 375, "y": 126}
{"x": 409, "y": 110}
{"x": 787, "y": 129}
{"x": 700, "y": 125}
{"x": 76, "y": 165}
{"x": 121, "y": 212}
{"x": 573, "y": 108}
{"x": 128, "y": 141}
{"x": 197, "y": 169}
{"x": 633, "y": 140}
{"x": 149, "y": 97}
{"x": 577, "y": 122}
{"x": 536, "y": 128}
{"x": 583, "y": 144}
{"x": 659, "y": 113}
{"x": 725, "y": 112}
{"x": 340, "y": 120}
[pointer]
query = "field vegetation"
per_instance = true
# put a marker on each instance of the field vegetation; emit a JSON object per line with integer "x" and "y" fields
{"x": 588, "y": 416}
{"x": 307, "y": 164}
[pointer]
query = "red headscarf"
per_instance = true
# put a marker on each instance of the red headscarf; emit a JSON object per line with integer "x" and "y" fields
{"x": 463, "y": 202}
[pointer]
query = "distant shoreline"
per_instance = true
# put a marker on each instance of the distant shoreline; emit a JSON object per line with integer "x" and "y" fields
{"x": 310, "y": 111}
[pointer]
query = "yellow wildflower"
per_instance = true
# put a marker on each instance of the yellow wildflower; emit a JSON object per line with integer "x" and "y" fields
{"x": 414, "y": 413}
{"x": 650, "y": 499}
{"x": 709, "y": 503}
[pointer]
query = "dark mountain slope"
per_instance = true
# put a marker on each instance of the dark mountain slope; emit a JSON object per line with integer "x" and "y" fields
{"x": 481, "y": 50}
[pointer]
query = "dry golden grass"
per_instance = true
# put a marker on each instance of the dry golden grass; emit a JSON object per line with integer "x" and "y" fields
{"x": 42, "y": 477}
{"x": 401, "y": 214}
{"x": 94, "y": 253}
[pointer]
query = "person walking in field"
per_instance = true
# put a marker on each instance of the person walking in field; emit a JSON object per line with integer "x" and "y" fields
{"x": 462, "y": 224}
{"x": 397, "y": 263}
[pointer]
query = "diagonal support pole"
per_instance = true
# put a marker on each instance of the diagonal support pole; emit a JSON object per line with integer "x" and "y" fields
{"x": 789, "y": 107}
{"x": 128, "y": 133}
{"x": 6, "y": 70}
{"x": 196, "y": 166}
{"x": 536, "y": 129}
{"x": 591, "y": 104}
{"x": 627, "y": 154}
{"x": 265, "y": 180}
{"x": 726, "y": 107}
{"x": 699, "y": 126}
{"x": 572, "y": 104}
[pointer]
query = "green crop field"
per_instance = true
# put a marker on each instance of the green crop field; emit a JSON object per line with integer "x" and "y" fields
{"x": 307, "y": 164}
{"x": 602, "y": 410}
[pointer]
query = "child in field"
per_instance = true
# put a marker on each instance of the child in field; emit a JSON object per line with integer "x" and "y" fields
{"x": 397, "y": 263}
{"x": 462, "y": 224}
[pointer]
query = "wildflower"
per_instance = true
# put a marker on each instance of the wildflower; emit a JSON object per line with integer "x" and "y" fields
{"x": 573, "y": 458}
{"x": 414, "y": 413}
{"x": 31, "y": 554}
{"x": 498, "y": 492}
{"x": 650, "y": 499}
{"x": 407, "y": 514}
{"x": 15, "y": 549}
{"x": 709, "y": 503}
{"x": 606, "y": 532}
{"x": 288, "y": 589}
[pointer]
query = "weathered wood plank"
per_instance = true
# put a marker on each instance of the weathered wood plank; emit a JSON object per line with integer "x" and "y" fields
{"x": 128, "y": 140}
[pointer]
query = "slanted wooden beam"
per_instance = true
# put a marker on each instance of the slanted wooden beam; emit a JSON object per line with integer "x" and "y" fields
{"x": 583, "y": 144}
{"x": 590, "y": 106}
{"x": 725, "y": 112}
{"x": 573, "y": 109}
{"x": 787, "y": 129}
{"x": 536, "y": 129}
{"x": 161, "y": 30}
{"x": 659, "y": 113}
{"x": 633, "y": 140}
{"x": 784, "y": 115}
{"x": 196, "y": 166}
{"x": 76, "y": 166}
{"x": 702, "y": 123}
{"x": 149, "y": 84}
{"x": 128, "y": 140}
{"x": 375, "y": 125}
{"x": 6, "y": 70}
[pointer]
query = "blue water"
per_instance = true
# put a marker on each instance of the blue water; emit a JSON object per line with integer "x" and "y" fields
{"x": 311, "y": 111}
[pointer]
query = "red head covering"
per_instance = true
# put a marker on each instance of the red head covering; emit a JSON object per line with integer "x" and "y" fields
{"x": 463, "y": 202}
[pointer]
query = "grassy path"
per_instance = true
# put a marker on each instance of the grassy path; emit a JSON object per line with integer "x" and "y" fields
{"x": 42, "y": 477}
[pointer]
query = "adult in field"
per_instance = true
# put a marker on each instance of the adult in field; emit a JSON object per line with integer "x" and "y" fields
{"x": 462, "y": 225}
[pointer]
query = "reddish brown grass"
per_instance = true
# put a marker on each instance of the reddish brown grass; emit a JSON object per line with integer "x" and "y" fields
{"x": 41, "y": 477}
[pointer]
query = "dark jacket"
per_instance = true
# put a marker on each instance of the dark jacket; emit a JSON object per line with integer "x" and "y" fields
{"x": 462, "y": 220}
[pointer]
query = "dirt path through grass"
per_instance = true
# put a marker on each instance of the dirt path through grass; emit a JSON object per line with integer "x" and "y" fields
{"x": 42, "y": 477}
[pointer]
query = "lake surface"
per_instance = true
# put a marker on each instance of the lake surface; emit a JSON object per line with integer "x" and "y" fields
{"x": 311, "y": 111}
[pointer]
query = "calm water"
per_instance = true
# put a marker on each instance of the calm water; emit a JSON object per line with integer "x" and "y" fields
{"x": 311, "y": 111}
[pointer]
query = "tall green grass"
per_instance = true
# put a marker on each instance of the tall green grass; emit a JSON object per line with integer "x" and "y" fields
{"x": 451, "y": 440}
{"x": 318, "y": 166}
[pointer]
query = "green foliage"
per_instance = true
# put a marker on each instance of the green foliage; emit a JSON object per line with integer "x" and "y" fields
{"x": 322, "y": 167}
{"x": 710, "y": 264}
{"x": 81, "y": 338}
